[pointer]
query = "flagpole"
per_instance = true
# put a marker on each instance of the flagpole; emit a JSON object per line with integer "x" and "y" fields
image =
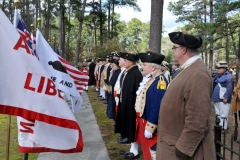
{"x": 8, "y": 137}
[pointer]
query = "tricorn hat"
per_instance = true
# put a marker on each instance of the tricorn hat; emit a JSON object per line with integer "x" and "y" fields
{"x": 131, "y": 57}
{"x": 89, "y": 60}
{"x": 187, "y": 40}
{"x": 115, "y": 62}
{"x": 151, "y": 57}
{"x": 122, "y": 54}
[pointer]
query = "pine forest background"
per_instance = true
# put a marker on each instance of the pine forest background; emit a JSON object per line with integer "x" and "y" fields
{"x": 86, "y": 29}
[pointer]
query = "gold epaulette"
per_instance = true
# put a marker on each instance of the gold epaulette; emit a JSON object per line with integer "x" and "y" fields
{"x": 161, "y": 83}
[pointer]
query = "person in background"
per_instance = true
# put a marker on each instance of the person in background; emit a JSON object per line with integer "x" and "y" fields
{"x": 100, "y": 79}
{"x": 111, "y": 107}
{"x": 91, "y": 68}
{"x": 222, "y": 104}
{"x": 149, "y": 97}
{"x": 165, "y": 70}
{"x": 96, "y": 73}
{"x": 184, "y": 125}
{"x": 175, "y": 69}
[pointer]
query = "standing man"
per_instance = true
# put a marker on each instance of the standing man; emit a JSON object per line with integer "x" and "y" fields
{"x": 126, "y": 117}
{"x": 175, "y": 69}
{"x": 184, "y": 122}
{"x": 91, "y": 69}
{"x": 149, "y": 97}
{"x": 222, "y": 104}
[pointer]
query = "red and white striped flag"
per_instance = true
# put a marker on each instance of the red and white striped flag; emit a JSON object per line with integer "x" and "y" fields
{"x": 80, "y": 78}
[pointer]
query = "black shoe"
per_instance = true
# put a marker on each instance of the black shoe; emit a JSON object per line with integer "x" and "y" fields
{"x": 99, "y": 96}
{"x": 119, "y": 138}
{"x": 102, "y": 99}
{"x": 85, "y": 90}
{"x": 124, "y": 152}
{"x": 105, "y": 102}
{"x": 124, "y": 141}
{"x": 131, "y": 156}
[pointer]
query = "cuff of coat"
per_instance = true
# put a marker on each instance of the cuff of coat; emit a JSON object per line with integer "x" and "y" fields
{"x": 150, "y": 127}
{"x": 188, "y": 144}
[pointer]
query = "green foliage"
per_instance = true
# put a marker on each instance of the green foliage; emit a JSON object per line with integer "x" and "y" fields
{"x": 107, "y": 48}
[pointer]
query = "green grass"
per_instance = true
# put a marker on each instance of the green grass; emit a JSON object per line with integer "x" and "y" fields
{"x": 107, "y": 129}
{"x": 13, "y": 148}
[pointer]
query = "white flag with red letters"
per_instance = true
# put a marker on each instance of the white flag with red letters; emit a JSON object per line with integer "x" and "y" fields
{"x": 27, "y": 91}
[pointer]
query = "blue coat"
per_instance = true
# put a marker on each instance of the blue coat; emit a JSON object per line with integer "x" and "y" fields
{"x": 111, "y": 113}
{"x": 153, "y": 100}
{"x": 226, "y": 81}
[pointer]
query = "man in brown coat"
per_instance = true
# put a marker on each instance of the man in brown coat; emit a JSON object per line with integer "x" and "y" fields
{"x": 184, "y": 122}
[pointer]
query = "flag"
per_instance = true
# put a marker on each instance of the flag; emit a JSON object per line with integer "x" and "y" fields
{"x": 50, "y": 61}
{"x": 27, "y": 91}
{"x": 80, "y": 78}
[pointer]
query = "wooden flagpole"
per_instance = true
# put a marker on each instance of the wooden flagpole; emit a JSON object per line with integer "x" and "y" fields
{"x": 8, "y": 137}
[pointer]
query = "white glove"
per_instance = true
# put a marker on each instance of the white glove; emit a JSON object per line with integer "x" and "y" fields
{"x": 147, "y": 134}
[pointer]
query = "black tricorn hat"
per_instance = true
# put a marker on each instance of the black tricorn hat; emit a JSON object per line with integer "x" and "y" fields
{"x": 122, "y": 54}
{"x": 89, "y": 60}
{"x": 115, "y": 62}
{"x": 131, "y": 57}
{"x": 185, "y": 40}
{"x": 151, "y": 57}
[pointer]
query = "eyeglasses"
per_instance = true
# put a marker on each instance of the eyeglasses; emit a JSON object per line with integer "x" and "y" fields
{"x": 174, "y": 47}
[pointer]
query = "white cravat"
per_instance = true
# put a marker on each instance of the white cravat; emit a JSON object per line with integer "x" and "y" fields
{"x": 189, "y": 62}
{"x": 142, "y": 84}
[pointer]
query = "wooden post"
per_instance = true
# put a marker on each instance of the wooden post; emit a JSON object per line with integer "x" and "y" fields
{"x": 8, "y": 137}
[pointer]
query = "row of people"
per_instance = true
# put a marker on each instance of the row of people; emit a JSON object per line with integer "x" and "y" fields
{"x": 170, "y": 121}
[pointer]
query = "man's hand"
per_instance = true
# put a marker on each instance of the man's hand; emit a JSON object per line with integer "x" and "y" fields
{"x": 180, "y": 155}
{"x": 147, "y": 134}
{"x": 225, "y": 100}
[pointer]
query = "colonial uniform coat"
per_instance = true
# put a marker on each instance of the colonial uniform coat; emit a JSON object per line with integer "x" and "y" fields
{"x": 126, "y": 118}
{"x": 184, "y": 120}
{"x": 147, "y": 107}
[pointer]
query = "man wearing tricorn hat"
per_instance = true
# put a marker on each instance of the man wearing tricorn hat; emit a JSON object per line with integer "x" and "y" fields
{"x": 126, "y": 114}
{"x": 149, "y": 96}
{"x": 184, "y": 129}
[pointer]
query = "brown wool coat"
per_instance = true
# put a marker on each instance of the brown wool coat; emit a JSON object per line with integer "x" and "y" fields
{"x": 236, "y": 105}
{"x": 184, "y": 120}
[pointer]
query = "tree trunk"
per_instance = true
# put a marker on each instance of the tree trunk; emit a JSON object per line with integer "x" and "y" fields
{"x": 47, "y": 20}
{"x": 211, "y": 36}
{"x": 80, "y": 32}
{"x": 156, "y": 25}
{"x": 109, "y": 18}
{"x": 234, "y": 46}
{"x": 3, "y": 5}
{"x": 112, "y": 28}
{"x": 205, "y": 46}
{"x": 37, "y": 8}
{"x": 101, "y": 23}
{"x": 238, "y": 57}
